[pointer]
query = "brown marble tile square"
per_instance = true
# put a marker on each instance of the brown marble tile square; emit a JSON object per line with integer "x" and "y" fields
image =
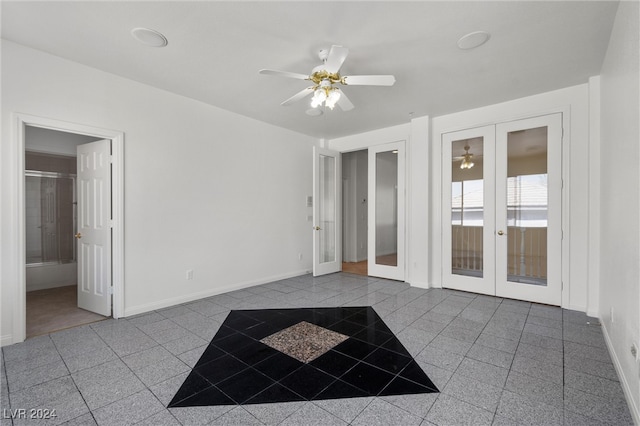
{"x": 304, "y": 341}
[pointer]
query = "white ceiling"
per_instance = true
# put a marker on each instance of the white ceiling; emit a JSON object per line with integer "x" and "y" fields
{"x": 216, "y": 49}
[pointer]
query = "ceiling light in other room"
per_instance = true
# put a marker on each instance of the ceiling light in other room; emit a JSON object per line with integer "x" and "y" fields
{"x": 467, "y": 162}
{"x": 149, "y": 37}
{"x": 473, "y": 40}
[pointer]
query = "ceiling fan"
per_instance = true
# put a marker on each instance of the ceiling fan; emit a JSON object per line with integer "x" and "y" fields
{"x": 326, "y": 78}
{"x": 467, "y": 161}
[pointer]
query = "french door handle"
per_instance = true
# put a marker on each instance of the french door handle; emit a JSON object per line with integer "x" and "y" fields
{"x": 78, "y": 235}
{"x": 317, "y": 228}
{"x": 501, "y": 232}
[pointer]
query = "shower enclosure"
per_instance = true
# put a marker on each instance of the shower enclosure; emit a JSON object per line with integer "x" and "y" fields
{"x": 50, "y": 206}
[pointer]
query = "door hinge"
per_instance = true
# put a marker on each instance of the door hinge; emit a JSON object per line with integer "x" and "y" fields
{"x": 111, "y": 159}
{"x": 111, "y": 290}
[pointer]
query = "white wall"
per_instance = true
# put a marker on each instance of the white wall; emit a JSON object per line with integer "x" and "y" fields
{"x": 205, "y": 189}
{"x": 620, "y": 198}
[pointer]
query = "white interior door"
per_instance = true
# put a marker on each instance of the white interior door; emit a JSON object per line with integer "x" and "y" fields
{"x": 94, "y": 226}
{"x": 468, "y": 210}
{"x": 327, "y": 212}
{"x": 386, "y": 229}
{"x": 502, "y": 209}
{"x": 529, "y": 209}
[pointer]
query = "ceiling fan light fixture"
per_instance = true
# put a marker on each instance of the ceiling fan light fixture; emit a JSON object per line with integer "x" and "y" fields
{"x": 319, "y": 96}
{"x": 467, "y": 163}
{"x": 332, "y": 99}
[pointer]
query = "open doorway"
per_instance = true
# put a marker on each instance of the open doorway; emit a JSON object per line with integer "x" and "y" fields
{"x": 51, "y": 255}
{"x": 355, "y": 212}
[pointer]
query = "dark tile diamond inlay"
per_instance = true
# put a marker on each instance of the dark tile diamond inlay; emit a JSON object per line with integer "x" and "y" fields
{"x": 238, "y": 368}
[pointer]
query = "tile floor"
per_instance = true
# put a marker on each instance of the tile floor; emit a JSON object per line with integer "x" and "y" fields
{"x": 494, "y": 361}
{"x": 301, "y": 354}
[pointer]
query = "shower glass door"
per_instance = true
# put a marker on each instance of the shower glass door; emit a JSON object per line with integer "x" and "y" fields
{"x": 50, "y": 218}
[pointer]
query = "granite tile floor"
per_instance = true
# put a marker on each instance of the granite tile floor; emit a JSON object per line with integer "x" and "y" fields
{"x": 495, "y": 361}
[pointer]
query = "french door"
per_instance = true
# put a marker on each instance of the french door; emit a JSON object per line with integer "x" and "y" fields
{"x": 502, "y": 209}
{"x": 385, "y": 211}
{"x": 386, "y": 231}
{"x": 327, "y": 211}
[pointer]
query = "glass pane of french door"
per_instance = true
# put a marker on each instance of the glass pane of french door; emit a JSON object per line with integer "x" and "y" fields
{"x": 327, "y": 217}
{"x": 386, "y": 187}
{"x": 467, "y": 207}
{"x": 527, "y": 206}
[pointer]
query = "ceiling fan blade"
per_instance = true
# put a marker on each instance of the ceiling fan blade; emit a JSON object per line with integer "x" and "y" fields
{"x": 344, "y": 102}
{"x": 336, "y": 58}
{"x": 285, "y": 74}
{"x": 301, "y": 94}
{"x": 369, "y": 80}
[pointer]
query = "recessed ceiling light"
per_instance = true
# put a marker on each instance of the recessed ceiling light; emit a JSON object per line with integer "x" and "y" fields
{"x": 149, "y": 37}
{"x": 473, "y": 40}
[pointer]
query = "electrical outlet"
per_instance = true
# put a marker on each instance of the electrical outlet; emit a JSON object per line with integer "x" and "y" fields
{"x": 299, "y": 256}
{"x": 611, "y": 315}
{"x": 189, "y": 274}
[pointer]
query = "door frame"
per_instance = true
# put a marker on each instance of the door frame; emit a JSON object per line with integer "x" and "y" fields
{"x": 17, "y": 210}
{"x": 497, "y": 114}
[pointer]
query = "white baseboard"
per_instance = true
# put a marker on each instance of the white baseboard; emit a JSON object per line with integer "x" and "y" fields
{"x": 631, "y": 402}
{"x": 6, "y": 340}
{"x": 419, "y": 284}
{"x": 165, "y": 303}
{"x": 576, "y": 308}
